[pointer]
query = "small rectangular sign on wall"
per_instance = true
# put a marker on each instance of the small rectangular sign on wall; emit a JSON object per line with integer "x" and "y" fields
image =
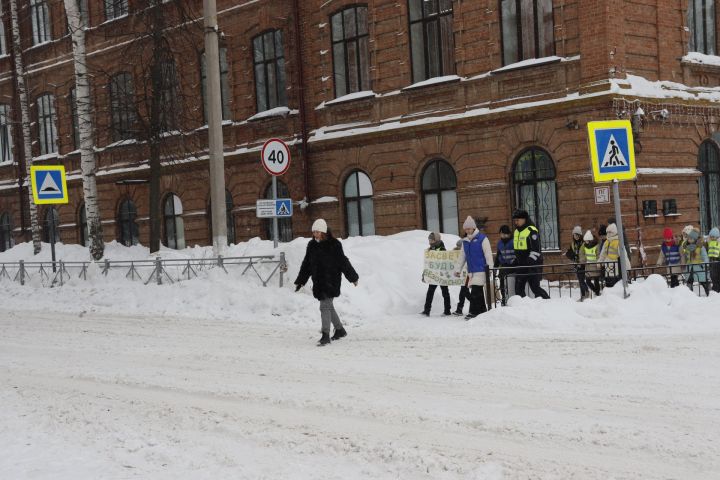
{"x": 602, "y": 195}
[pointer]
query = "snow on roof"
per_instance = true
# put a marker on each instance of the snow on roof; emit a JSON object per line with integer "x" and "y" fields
{"x": 273, "y": 112}
{"x": 433, "y": 81}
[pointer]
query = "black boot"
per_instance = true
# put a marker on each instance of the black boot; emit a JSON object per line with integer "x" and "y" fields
{"x": 324, "y": 340}
{"x": 339, "y": 333}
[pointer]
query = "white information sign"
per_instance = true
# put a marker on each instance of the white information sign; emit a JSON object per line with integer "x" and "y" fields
{"x": 275, "y": 157}
{"x": 602, "y": 195}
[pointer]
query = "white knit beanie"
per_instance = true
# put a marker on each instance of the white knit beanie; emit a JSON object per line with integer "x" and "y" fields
{"x": 319, "y": 225}
{"x": 588, "y": 236}
{"x": 577, "y": 230}
{"x": 469, "y": 223}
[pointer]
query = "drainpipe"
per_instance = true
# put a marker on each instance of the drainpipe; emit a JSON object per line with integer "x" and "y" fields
{"x": 301, "y": 99}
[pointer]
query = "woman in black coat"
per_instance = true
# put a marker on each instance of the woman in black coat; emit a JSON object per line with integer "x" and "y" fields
{"x": 325, "y": 262}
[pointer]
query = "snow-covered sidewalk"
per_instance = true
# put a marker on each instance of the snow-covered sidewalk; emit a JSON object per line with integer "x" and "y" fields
{"x": 89, "y": 396}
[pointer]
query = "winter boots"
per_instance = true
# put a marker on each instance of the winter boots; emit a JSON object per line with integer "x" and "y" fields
{"x": 339, "y": 333}
{"x": 324, "y": 340}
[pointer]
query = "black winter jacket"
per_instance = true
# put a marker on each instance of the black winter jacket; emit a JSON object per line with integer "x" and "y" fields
{"x": 325, "y": 262}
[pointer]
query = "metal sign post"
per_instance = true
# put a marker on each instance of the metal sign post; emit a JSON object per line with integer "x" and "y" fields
{"x": 49, "y": 187}
{"x": 621, "y": 237}
{"x": 275, "y": 158}
{"x": 612, "y": 154}
{"x": 275, "y": 219}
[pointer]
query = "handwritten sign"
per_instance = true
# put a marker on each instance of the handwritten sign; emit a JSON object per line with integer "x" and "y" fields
{"x": 440, "y": 267}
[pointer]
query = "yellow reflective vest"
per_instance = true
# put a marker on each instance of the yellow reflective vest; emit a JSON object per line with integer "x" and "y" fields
{"x": 713, "y": 249}
{"x": 520, "y": 240}
{"x": 591, "y": 254}
{"x": 613, "y": 250}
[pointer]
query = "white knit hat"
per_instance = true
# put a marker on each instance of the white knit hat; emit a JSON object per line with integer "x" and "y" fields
{"x": 319, "y": 225}
{"x": 469, "y": 223}
{"x": 577, "y": 230}
{"x": 588, "y": 236}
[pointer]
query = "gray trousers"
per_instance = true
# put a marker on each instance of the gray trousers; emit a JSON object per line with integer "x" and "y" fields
{"x": 329, "y": 315}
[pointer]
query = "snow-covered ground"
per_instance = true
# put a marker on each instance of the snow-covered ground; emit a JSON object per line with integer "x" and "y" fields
{"x": 218, "y": 377}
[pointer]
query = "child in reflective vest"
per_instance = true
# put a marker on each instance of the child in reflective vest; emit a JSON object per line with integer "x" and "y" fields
{"x": 504, "y": 258}
{"x": 670, "y": 257}
{"x": 588, "y": 256}
{"x": 714, "y": 256}
{"x": 695, "y": 258}
{"x": 610, "y": 255}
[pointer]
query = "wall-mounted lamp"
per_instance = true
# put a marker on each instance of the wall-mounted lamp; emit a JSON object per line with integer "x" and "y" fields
{"x": 636, "y": 123}
{"x": 572, "y": 125}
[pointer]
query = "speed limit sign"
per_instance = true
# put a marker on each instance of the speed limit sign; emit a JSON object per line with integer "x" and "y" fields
{"x": 275, "y": 157}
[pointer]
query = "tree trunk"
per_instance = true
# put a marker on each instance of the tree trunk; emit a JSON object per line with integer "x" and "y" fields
{"x": 83, "y": 107}
{"x": 24, "y": 121}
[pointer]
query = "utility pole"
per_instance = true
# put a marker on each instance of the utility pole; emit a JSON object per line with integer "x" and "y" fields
{"x": 215, "y": 133}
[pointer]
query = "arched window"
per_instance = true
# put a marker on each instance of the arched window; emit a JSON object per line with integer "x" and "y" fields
{"x": 284, "y": 224}
{"x": 359, "y": 205}
{"x": 82, "y": 224}
{"x": 128, "y": 231}
{"x": 536, "y": 192}
{"x": 6, "y": 239}
{"x": 439, "y": 185}
{"x": 51, "y": 215}
{"x": 229, "y": 218}
{"x": 174, "y": 225}
{"x": 701, "y": 22}
{"x": 709, "y": 185}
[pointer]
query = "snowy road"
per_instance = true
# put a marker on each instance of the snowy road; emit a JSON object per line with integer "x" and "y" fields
{"x": 94, "y": 396}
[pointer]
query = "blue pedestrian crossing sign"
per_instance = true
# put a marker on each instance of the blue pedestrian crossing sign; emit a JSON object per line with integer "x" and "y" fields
{"x": 49, "y": 185}
{"x": 283, "y": 207}
{"x": 612, "y": 150}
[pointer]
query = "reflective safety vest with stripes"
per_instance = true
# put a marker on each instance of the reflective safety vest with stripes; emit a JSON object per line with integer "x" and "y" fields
{"x": 671, "y": 254}
{"x": 713, "y": 250}
{"x": 591, "y": 254}
{"x": 613, "y": 250}
{"x": 520, "y": 240}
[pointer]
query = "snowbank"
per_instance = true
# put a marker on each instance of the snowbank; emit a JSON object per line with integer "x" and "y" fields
{"x": 389, "y": 295}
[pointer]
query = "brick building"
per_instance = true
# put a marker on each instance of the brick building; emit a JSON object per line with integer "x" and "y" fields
{"x": 401, "y": 114}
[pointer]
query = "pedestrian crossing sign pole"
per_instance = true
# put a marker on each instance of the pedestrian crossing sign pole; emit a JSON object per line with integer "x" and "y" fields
{"x": 49, "y": 186}
{"x": 612, "y": 155}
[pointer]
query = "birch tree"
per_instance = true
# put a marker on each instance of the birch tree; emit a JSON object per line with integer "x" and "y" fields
{"x": 83, "y": 107}
{"x": 24, "y": 121}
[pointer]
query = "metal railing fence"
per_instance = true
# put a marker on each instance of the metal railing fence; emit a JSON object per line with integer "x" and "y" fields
{"x": 157, "y": 270}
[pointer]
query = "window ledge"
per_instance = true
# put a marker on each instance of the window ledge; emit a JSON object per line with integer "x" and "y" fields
{"x": 350, "y": 97}
{"x": 110, "y": 20}
{"x": 654, "y": 215}
{"x": 432, "y": 81}
{"x": 272, "y": 113}
{"x": 529, "y": 63}
{"x": 39, "y": 45}
{"x": 8, "y": 163}
{"x": 47, "y": 156}
{"x": 697, "y": 58}
{"x": 673, "y": 215}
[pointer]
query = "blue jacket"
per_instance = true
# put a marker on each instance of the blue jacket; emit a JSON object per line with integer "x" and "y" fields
{"x": 505, "y": 253}
{"x": 474, "y": 255}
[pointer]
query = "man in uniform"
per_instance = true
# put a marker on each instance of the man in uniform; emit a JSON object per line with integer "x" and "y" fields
{"x": 528, "y": 254}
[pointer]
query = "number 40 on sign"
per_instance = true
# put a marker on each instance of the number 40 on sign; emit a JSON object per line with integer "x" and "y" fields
{"x": 275, "y": 157}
